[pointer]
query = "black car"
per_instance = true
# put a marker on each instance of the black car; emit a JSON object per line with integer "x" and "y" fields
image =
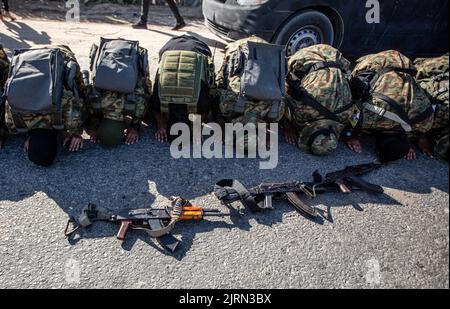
{"x": 416, "y": 28}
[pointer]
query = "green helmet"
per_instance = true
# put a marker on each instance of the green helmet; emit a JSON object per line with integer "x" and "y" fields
{"x": 110, "y": 132}
{"x": 321, "y": 137}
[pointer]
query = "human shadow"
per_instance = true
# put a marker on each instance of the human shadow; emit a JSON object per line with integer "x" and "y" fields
{"x": 18, "y": 35}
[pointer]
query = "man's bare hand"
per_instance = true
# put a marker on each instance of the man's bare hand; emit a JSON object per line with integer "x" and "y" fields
{"x": 411, "y": 156}
{"x": 93, "y": 137}
{"x": 26, "y": 145}
{"x": 74, "y": 143}
{"x": 131, "y": 136}
{"x": 354, "y": 144}
{"x": 290, "y": 133}
{"x": 161, "y": 135}
{"x": 425, "y": 146}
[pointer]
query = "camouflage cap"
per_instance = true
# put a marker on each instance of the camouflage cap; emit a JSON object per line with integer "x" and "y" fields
{"x": 320, "y": 137}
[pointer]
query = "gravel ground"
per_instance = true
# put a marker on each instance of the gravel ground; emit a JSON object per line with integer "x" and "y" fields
{"x": 397, "y": 240}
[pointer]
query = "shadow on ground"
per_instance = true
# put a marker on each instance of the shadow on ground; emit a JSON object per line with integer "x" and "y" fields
{"x": 145, "y": 174}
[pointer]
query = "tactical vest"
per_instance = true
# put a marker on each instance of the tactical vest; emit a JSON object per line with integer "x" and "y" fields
{"x": 387, "y": 92}
{"x": 36, "y": 82}
{"x": 119, "y": 68}
{"x": 318, "y": 84}
{"x": 181, "y": 74}
{"x": 253, "y": 71}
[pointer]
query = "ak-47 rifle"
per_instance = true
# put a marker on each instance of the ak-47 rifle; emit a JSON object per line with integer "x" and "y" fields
{"x": 261, "y": 197}
{"x": 158, "y": 223}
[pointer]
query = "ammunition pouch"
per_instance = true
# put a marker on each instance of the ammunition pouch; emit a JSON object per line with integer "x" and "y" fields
{"x": 180, "y": 77}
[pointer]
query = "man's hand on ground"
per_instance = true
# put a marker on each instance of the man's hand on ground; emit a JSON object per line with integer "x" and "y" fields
{"x": 290, "y": 133}
{"x": 411, "y": 156}
{"x": 354, "y": 144}
{"x": 131, "y": 136}
{"x": 74, "y": 143}
{"x": 425, "y": 146}
{"x": 26, "y": 144}
{"x": 161, "y": 135}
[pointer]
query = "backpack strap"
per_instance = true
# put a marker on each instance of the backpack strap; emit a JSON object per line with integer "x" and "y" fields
{"x": 378, "y": 75}
{"x": 308, "y": 100}
{"x": 324, "y": 65}
{"x": 400, "y": 117}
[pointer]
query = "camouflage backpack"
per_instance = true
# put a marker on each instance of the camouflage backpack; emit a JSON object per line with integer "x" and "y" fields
{"x": 185, "y": 64}
{"x": 388, "y": 96}
{"x": 4, "y": 68}
{"x": 119, "y": 85}
{"x": 251, "y": 82}
{"x": 433, "y": 77}
{"x": 41, "y": 82}
{"x": 319, "y": 98}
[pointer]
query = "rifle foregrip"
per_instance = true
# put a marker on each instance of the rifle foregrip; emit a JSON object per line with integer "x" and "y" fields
{"x": 124, "y": 226}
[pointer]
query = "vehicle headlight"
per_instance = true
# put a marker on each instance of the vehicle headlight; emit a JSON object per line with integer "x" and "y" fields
{"x": 251, "y": 2}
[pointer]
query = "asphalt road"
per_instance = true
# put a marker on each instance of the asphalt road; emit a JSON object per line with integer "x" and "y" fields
{"x": 397, "y": 240}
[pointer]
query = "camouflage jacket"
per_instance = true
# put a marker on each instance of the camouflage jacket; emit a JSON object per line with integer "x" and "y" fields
{"x": 73, "y": 111}
{"x": 229, "y": 89}
{"x": 119, "y": 106}
{"x": 433, "y": 77}
{"x": 329, "y": 87}
{"x": 400, "y": 87}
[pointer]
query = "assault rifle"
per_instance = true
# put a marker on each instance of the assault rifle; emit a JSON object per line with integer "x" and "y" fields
{"x": 261, "y": 197}
{"x": 158, "y": 223}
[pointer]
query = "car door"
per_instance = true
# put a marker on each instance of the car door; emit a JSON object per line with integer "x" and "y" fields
{"x": 418, "y": 28}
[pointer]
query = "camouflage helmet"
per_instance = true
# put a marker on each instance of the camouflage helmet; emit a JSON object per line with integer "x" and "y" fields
{"x": 321, "y": 137}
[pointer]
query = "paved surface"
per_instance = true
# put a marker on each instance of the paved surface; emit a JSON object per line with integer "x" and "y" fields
{"x": 399, "y": 240}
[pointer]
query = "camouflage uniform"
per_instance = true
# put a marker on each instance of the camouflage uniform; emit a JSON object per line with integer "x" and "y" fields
{"x": 433, "y": 77}
{"x": 329, "y": 87}
{"x": 114, "y": 106}
{"x": 229, "y": 89}
{"x": 72, "y": 108}
{"x": 400, "y": 87}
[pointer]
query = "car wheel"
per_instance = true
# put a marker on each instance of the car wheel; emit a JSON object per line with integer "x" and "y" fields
{"x": 305, "y": 29}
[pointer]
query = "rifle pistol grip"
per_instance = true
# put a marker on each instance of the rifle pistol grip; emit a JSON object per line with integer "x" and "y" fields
{"x": 124, "y": 226}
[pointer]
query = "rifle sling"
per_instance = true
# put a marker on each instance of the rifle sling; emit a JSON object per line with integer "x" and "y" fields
{"x": 222, "y": 190}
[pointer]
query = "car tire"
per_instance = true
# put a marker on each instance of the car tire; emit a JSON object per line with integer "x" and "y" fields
{"x": 305, "y": 29}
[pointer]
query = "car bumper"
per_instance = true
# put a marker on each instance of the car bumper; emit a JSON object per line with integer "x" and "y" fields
{"x": 233, "y": 22}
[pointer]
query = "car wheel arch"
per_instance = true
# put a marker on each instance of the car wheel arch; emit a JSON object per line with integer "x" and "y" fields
{"x": 334, "y": 17}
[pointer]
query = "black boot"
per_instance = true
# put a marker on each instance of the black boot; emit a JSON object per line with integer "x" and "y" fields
{"x": 140, "y": 25}
{"x": 180, "y": 21}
